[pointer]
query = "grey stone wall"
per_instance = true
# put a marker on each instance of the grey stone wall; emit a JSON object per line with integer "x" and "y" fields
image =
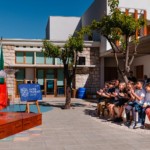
{"x": 89, "y": 77}
{"x": 9, "y": 59}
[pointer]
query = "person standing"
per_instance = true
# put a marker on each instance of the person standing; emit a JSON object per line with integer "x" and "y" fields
{"x": 131, "y": 77}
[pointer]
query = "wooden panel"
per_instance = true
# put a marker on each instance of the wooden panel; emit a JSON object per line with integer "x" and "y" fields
{"x": 12, "y": 123}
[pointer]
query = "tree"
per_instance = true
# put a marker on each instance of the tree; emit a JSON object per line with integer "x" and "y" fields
{"x": 69, "y": 56}
{"x": 122, "y": 27}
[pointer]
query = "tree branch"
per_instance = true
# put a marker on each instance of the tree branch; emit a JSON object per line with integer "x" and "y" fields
{"x": 133, "y": 56}
{"x": 126, "y": 67}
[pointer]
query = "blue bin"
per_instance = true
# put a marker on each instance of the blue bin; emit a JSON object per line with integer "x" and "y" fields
{"x": 81, "y": 93}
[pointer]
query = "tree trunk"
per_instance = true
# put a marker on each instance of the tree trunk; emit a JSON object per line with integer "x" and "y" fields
{"x": 68, "y": 97}
{"x": 124, "y": 76}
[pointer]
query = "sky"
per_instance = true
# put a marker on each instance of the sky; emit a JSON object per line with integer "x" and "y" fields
{"x": 27, "y": 19}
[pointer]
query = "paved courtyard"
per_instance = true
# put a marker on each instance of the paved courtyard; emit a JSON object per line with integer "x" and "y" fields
{"x": 76, "y": 129}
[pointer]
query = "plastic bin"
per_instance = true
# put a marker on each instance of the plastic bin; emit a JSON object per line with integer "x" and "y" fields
{"x": 81, "y": 93}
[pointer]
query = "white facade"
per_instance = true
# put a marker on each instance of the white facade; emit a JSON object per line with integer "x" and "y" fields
{"x": 136, "y": 4}
{"x": 60, "y": 28}
{"x": 144, "y": 61}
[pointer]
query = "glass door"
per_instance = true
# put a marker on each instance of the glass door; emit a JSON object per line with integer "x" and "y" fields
{"x": 50, "y": 82}
{"x": 49, "y": 87}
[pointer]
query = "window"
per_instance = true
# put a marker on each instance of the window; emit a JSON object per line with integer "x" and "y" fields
{"x": 59, "y": 61}
{"x": 50, "y": 74}
{"x": 81, "y": 61}
{"x": 60, "y": 82}
{"x": 19, "y": 57}
{"x": 40, "y": 58}
{"x": 29, "y": 57}
{"x": 60, "y": 77}
{"x": 50, "y": 60}
{"x": 20, "y": 76}
{"x": 25, "y": 57}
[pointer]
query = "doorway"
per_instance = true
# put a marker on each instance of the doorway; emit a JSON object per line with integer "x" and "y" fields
{"x": 139, "y": 72}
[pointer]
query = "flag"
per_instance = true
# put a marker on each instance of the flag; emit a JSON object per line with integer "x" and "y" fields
{"x": 1, "y": 65}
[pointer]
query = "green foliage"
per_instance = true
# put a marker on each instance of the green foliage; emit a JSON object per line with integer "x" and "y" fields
{"x": 113, "y": 4}
{"x": 117, "y": 24}
{"x": 50, "y": 50}
{"x": 66, "y": 53}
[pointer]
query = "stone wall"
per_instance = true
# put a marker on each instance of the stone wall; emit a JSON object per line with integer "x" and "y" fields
{"x": 89, "y": 77}
{"x": 9, "y": 60}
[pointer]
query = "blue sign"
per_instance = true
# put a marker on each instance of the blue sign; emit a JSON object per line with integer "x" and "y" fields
{"x": 30, "y": 92}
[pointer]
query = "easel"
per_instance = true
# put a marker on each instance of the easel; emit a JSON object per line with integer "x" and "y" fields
{"x": 28, "y": 106}
{"x": 30, "y": 93}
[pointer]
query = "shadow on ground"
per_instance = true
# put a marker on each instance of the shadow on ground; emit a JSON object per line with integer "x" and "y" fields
{"x": 93, "y": 113}
{"x": 61, "y": 105}
{"x": 90, "y": 112}
{"x": 91, "y": 100}
{"x": 22, "y": 108}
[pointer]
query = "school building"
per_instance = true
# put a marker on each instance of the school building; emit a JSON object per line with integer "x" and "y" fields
{"x": 24, "y": 61}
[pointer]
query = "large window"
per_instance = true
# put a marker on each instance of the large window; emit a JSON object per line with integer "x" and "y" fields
{"x": 40, "y": 59}
{"x": 25, "y": 57}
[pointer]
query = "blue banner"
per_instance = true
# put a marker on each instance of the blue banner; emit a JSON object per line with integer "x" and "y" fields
{"x": 30, "y": 92}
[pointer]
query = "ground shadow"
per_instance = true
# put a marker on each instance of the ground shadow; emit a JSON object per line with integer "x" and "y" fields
{"x": 93, "y": 113}
{"x": 91, "y": 100}
{"x": 61, "y": 105}
{"x": 22, "y": 108}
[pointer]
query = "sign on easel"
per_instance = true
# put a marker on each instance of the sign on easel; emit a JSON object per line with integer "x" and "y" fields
{"x": 30, "y": 92}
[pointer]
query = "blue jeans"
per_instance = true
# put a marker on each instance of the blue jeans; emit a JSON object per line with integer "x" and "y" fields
{"x": 136, "y": 107}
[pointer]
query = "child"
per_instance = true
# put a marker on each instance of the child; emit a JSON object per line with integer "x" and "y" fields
{"x": 137, "y": 104}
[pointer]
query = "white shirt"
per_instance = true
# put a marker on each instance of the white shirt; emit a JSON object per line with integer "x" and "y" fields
{"x": 140, "y": 93}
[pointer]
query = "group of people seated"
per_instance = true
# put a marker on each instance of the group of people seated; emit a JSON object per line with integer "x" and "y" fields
{"x": 133, "y": 97}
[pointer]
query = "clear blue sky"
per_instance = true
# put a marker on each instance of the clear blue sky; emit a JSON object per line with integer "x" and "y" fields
{"x": 28, "y": 18}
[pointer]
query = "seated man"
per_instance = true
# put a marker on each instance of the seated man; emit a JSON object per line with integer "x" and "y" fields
{"x": 137, "y": 104}
{"x": 105, "y": 96}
